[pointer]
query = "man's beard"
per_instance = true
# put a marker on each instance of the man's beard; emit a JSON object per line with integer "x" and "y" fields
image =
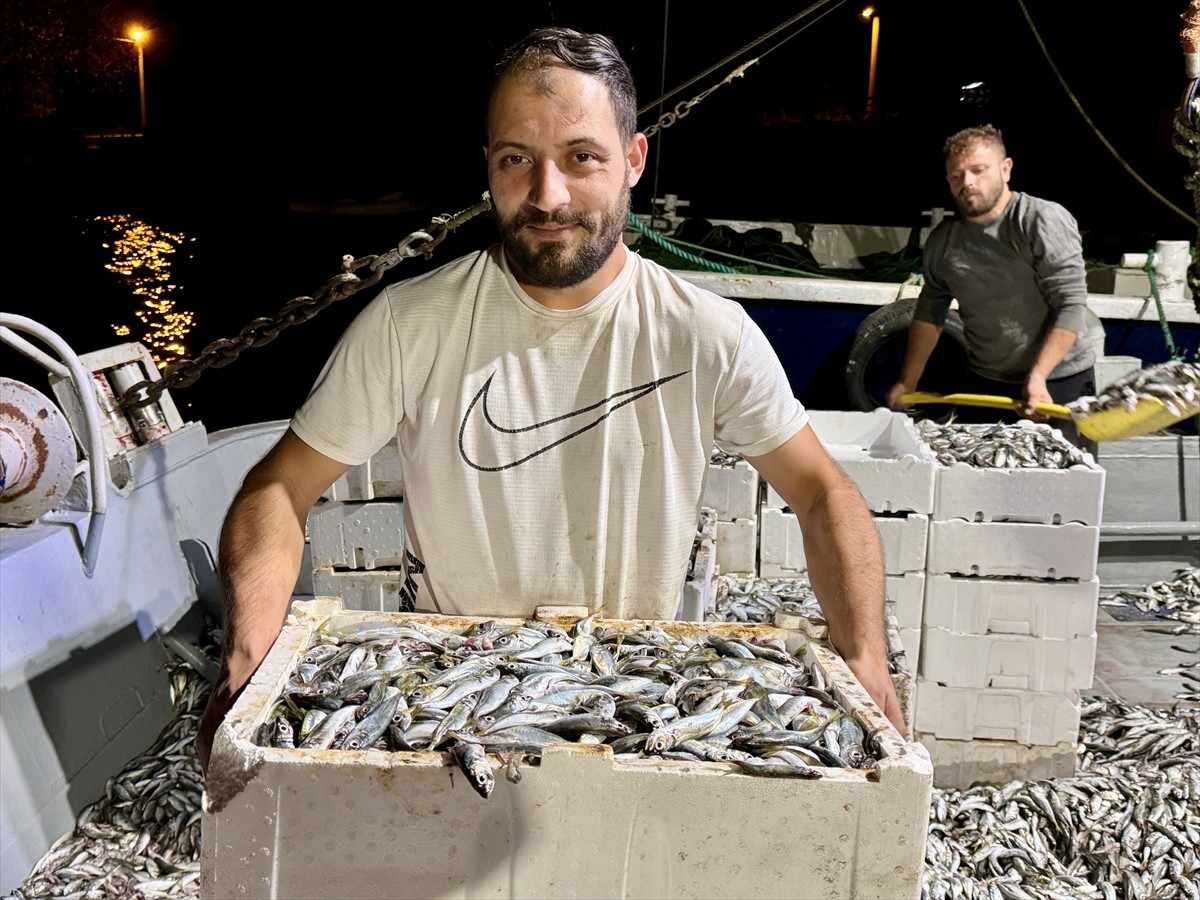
{"x": 979, "y": 203}
{"x": 558, "y": 264}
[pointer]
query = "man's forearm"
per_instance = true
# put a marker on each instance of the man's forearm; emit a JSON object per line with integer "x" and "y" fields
{"x": 845, "y": 558}
{"x": 1054, "y": 348}
{"x": 261, "y": 547}
{"x": 922, "y": 338}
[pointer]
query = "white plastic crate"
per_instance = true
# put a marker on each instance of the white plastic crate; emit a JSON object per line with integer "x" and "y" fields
{"x": 1000, "y": 714}
{"x": 1058, "y": 610}
{"x": 354, "y": 535}
{"x": 732, "y": 491}
{"x": 781, "y": 543}
{"x": 377, "y": 589}
{"x": 737, "y": 546}
{"x": 883, "y": 454}
{"x": 1044, "y": 496}
{"x": 1007, "y": 661}
{"x": 1012, "y": 549}
{"x": 379, "y": 476}
{"x": 375, "y": 824}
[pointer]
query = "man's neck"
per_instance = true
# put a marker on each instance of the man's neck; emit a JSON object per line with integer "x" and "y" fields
{"x": 577, "y": 295}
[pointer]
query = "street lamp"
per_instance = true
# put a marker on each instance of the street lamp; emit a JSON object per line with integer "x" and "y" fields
{"x": 137, "y": 37}
{"x": 870, "y": 14}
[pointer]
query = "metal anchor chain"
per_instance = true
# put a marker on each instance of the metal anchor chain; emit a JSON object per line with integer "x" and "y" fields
{"x": 685, "y": 107}
{"x": 256, "y": 333}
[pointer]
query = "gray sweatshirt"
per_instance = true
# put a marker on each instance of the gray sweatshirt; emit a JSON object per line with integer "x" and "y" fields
{"x": 1014, "y": 279}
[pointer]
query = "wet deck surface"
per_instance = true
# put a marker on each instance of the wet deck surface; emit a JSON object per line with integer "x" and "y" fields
{"x": 1130, "y": 655}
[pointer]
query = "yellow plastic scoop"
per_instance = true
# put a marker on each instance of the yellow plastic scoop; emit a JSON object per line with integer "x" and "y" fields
{"x": 1150, "y": 414}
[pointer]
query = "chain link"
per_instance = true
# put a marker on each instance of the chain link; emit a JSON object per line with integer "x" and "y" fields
{"x": 682, "y": 109}
{"x": 220, "y": 353}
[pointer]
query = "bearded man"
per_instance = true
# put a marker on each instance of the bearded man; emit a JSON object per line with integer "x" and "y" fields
{"x": 555, "y": 399}
{"x": 1014, "y": 263}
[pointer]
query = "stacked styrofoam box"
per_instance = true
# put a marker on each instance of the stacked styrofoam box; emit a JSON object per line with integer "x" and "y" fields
{"x": 698, "y": 596}
{"x": 895, "y": 470}
{"x": 1009, "y": 631}
{"x": 731, "y": 490}
{"x": 356, "y": 535}
{"x": 372, "y": 823}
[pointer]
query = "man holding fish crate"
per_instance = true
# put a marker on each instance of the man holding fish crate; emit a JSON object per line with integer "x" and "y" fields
{"x": 555, "y": 399}
{"x": 1015, "y": 265}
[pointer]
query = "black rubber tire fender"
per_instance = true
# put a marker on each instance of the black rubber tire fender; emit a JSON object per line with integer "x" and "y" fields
{"x": 882, "y": 325}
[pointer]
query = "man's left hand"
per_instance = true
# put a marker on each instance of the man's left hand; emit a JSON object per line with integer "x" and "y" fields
{"x": 1035, "y": 392}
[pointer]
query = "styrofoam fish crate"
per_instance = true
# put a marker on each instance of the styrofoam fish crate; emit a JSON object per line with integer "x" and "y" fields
{"x": 1161, "y": 467}
{"x": 375, "y": 824}
{"x": 907, "y": 593}
{"x": 1007, "y": 661}
{"x": 781, "y": 544}
{"x": 1014, "y": 549}
{"x": 961, "y": 764}
{"x": 354, "y": 535}
{"x": 1058, "y": 610}
{"x": 379, "y": 476}
{"x": 732, "y": 491}
{"x": 884, "y": 455}
{"x": 1045, "y": 496}
{"x": 737, "y": 545}
{"x": 1000, "y": 714}
{"x": 376, "y": 589}
{"x": 698, "y": 595}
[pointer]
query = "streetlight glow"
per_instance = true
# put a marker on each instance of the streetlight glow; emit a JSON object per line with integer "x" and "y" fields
{"x": 137, "y": 37}
{"x": 869, "y": 14}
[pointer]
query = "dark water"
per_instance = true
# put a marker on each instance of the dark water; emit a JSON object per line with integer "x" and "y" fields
{"x": 227, "y": 257}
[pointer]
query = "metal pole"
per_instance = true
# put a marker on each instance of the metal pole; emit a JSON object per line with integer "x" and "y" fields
{"x": 871, "y": 77}
{"x": 142, "y": 83}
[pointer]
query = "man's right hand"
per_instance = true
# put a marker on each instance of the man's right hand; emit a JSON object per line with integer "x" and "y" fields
{"x": 225, "y": 694}
{"x": 896, "y": 391}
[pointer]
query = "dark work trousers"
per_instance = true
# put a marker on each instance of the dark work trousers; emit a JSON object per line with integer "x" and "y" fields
{"x": 1062, "y": 390}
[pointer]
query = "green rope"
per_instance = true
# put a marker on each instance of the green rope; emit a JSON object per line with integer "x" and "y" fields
{"x": 1162, "y": 316}
{"x": 682, "y": 254}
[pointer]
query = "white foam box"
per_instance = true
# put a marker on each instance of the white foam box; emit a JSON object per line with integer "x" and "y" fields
{"x": 732, "y": 491}
{"x": 737, "y": 546}
{"x": 884, "y": 455}
{"x": 1012, "y": 549}
{"x": 1057, "y": 610}
{"x": 373, "y": 824}
{"x": 1114, "y": 368}
{"x": 376, "y": 589}
{"x": 698, "y": 595}
{"x": 906, "y": 593}
{"x": 1007, "y": 661}
{"x": 354, "y": 535}
{"x": 1044, "y": 496}
{"x": 379, "y": 476}
{"x": 781, "y": 544}
{"x": 1152, "y": 478}
{"x": 962, "y": 764}
{"x": 999, "y": 714}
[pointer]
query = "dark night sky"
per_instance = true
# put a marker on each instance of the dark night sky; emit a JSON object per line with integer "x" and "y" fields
{"x": 369, "y": 98}
{"x": 251, "y": 106}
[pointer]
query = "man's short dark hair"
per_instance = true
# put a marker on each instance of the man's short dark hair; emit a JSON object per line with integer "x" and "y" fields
{"x": 594, "y": 54}
{"x": 962, "y": 141}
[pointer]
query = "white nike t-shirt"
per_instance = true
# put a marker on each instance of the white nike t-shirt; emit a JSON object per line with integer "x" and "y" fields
{"x": 549, "y": 456}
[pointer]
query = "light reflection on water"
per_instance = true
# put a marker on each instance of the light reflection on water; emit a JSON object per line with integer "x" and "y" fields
{"x": 140, "y": 255}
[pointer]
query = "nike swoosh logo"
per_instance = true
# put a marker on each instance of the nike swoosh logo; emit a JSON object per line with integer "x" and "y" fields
{"x": 600, "y": 410}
